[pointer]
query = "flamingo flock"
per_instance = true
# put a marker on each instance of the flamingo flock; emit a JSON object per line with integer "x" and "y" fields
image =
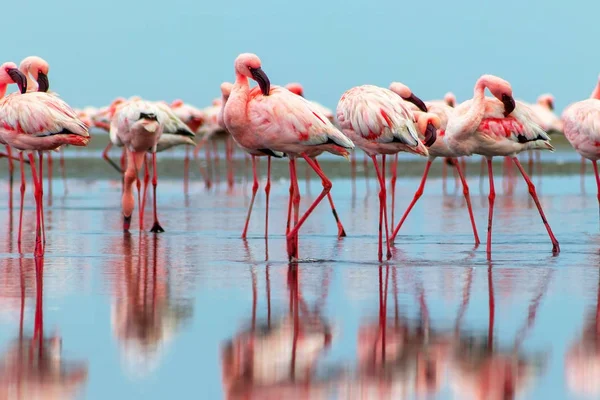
{"x": 279, "y": 122}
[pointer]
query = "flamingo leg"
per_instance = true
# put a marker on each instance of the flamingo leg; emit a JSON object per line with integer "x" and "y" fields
{"x": 41, "y": 182}
{"x": 134, "y": 162}
{"x": 296, "y": 208}
{"x": 186, "y": 169}
{"x": 37, "y": 195}
{"x": 393, "y": 185}
{"x": 63, "y": 171}
{"x": 418, "y": 194}
{"x": 22, "y": 164}
{"x": 595, "y": 164}
{"x": 491, "y": 198}
{"x": 326, "y": 188}
{"x": 156, "y": 228}
{"x": 267, "y": 194}
{"x": 229, "y": 159}
{"x": 254, "y": 190}
{"x": 353, "y": 165}
{"x": 289, "y": 213}
{"x": 11, "y": 167}
{"x": 146, "y": 181}
{"x": 468, "y": 200}
{"x": 382, "y": 207}
{"x": 531, "y": 186}
{"x": 108, "y": 160}
{"x": 341, "y": 230}
{"x": 50, "y": 170}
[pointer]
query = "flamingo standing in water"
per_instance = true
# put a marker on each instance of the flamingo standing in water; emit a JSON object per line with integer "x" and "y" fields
{"x": 442, "y": 112}
{"x": 36, "y": 121}
{"x": 497, "y": 127}
{"x": 193, "y": 118}
{"x": 276, "y": 119}
{"x": 226, "y": 88}
{"x": 138, "y": 125}
{"x": 380, "y": 123}
{"x": 297, "y": 89}
{"x": 582, "y": 129}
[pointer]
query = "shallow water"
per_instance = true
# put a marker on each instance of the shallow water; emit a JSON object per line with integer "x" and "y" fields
{"x": 198, "y": 312}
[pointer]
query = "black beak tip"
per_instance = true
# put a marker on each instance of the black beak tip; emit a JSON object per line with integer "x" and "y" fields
{"x": 417, "y": 102}
{"x": 149, "y": 116}
{"x": 19, "y": 78}
{"x": 43, "y": 84}
{"x": 509, "y": 104}
{"x": 262, "y": 79}
{"x": 430, "y": 135}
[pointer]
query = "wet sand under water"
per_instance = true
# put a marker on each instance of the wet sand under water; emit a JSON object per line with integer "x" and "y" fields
{"x": 198, "y": 312}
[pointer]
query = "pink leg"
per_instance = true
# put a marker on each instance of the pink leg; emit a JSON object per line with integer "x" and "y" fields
{"x": 11, "y": 167}
{"x": 468, "y": 199}
{"x": 41, "y": 181}
{"x": 353, "y": 165}
{"x": 296, "y": 205}
{"x": 382, "y": 207}
{"x": 595, "y": 164}
{"x": 146, "y": 181}
{"x": 50, "y": 170}
{"x": 63, "y": 171}
{"x": 186, "y": 169}
{"x": 530, "y": 185}
{"x": 156, "y": 228}
{"x": 229, "y": 160}
{"x": 267, "y": 193}
{"x": 254, "y": 190}
{"x": 491, "y": 198}
{"x": 22, "y": 164}
{"x": 326, "y": 188}
{"x": 38, "y": 200}
{"x": 291, "y": 242}
{"x": 393, "y": 185}
{"x": 341, "y": 231}
{"x": 289, "y": 213}
{"x": 418, "y": 194}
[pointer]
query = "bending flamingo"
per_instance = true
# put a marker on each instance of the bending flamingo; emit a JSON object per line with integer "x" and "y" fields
{"x": 380, "y": 123}
{"x": 37, "y": 121}
{"x": 193, "y": 118}
{"x": 582, "y": 129}
{"x": 297, "y": 89}
{"x": 439, "y": 115}
{"x": 497, "y": 127}
{"x": 276, "y": 119}
{"x": 138, "y": 126}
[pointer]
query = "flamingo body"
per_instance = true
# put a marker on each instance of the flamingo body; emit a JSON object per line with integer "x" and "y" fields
{"x": 582, "y": 128}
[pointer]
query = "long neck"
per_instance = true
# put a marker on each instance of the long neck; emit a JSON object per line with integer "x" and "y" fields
{"x": 596, "y": 92}
{"x": 32, "y": 85}
{"x": 474, "y": 115}
{"x": 235, "y": 114}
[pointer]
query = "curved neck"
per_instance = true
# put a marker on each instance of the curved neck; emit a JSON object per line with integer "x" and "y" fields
{"x": 234, "y": 110}
{"x": 596, "y": 92}
{"x": 476, "y": 110}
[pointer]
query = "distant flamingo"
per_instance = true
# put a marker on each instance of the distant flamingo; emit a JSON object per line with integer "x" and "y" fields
{"x": 138, "y": 125}
{"x": 379, "y": 122}
{"x": 439, "y": 113}
{"x": 297, "y": 89}
{"x": 274, "y": 118}
{"x": 582, "y": 129}
{"x": 497, "y": 127}
{"x": 193, "y": 118}
{"x": 37, "y": 121}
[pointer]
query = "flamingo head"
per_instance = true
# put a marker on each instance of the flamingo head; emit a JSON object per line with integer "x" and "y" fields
{"x": 428, "y": 125}
{"x": 295, "y": 88}
{"x": 501, "y": 90}
{"x": 403, "y": 91}
{"x": 9, "y": 73}
{"x": 249, "y": 65}
{"x": 38, "y": 68}
{"x": 450, "y": 99}
{"x": 546, "y": 100}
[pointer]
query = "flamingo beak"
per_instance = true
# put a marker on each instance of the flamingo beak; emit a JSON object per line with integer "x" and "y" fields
{"x": 262, "y": 79}
{"x": 509, "y": 104}
{"x": 430, "y": 135}
{"x": 551, "y": 105}
{"x": 416, "y": 101}
{"x": 19, "y": 78}
{"x": 43, "y": 84}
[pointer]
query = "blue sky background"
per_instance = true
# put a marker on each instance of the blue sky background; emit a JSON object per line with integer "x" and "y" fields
{"x": 185, "y": 49}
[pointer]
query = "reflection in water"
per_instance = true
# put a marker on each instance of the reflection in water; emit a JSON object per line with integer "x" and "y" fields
{"x": 32, "y": 367}
{"x": 582, "y": 364}
{"x": 144, "y": 313}
{"x": 277, "y": 357}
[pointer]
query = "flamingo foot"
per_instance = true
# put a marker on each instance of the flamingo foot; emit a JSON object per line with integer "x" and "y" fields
{"x": 156, "y": 228}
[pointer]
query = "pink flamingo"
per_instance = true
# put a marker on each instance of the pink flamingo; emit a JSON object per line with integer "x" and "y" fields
{"x": 379, "y": 122}
{"x": 274, "y": 118}
{"x": 193, "y": 118}
{"x": 138, "y": 125}
{"x": 226, "y": 89}
{"x": 440, "y": 112}
{"x": 297, "y": 89}
{"x": 581, "y": 123}
{"x": 36, "y": 121}
{"x": 497, "y": 127}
